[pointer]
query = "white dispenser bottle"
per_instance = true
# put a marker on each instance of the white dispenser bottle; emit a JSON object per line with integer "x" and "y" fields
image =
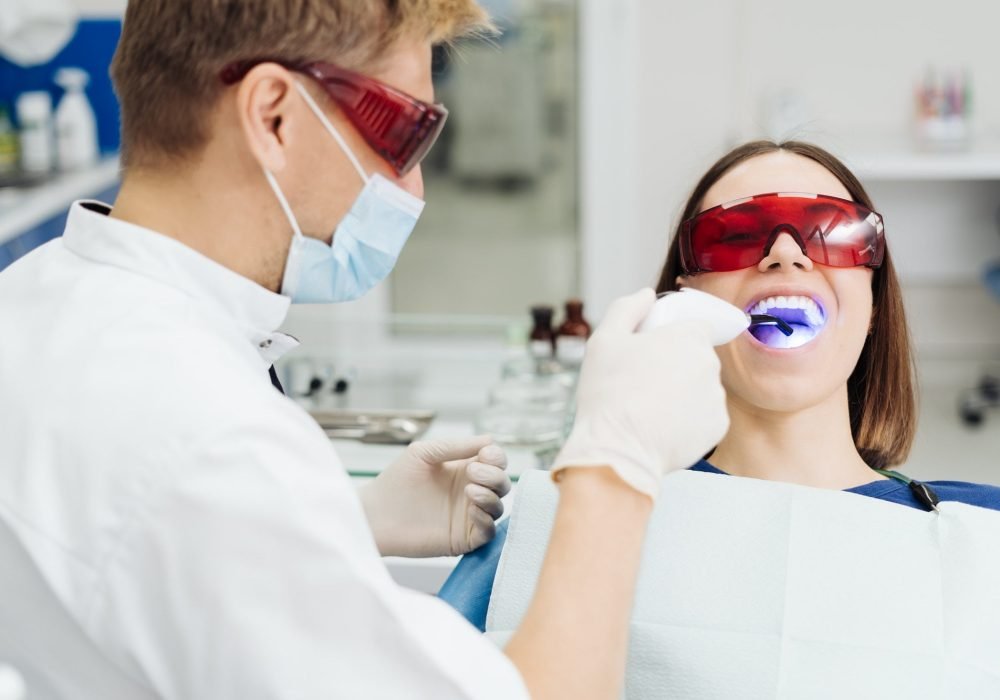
{"x": 34, "y": 114}
{"x": 76, "y": 126}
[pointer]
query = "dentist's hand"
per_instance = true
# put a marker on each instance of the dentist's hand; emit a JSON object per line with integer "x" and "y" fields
{"x": 441, "y": 497}
{"x": 647, "y": 403}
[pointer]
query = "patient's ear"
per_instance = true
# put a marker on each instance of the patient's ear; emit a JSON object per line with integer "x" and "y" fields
{"x": 681, "y": 281}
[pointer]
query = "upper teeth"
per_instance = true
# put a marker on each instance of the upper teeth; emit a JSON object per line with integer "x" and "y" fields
{"x": 811, "y": 308}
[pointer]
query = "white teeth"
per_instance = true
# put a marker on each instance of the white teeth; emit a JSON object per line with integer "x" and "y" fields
{"x": 814, "y": 316}
{"x": 813, "y": 313}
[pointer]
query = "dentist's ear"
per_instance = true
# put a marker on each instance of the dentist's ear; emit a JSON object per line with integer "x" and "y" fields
{"x": 680, "y": 281}
{"x": 265, "y": 100}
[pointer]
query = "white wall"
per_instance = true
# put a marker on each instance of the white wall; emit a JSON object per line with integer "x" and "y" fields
{"x": 701, "y": 72}
{"x": 706, "y": 68}
{"x": 101, "y": 8}
{"x": 610, "y": 203}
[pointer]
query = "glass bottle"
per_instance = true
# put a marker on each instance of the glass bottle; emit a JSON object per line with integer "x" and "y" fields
{"x": 571, "y": 340}
{"x": 542, "y": 341}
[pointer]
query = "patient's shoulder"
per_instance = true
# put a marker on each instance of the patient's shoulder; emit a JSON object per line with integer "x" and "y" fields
{"x": 982, "y": 495}
{"x": 970, "y": 493}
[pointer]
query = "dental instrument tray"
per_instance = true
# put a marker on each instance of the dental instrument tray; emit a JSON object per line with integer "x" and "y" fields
{"x": 386, "y": 427}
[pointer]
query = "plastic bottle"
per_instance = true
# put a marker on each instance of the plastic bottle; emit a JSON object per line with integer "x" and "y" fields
{"x": 76, "y": 126}
{"x": 9, "y": 155}
{"x": 571, "y": 340}
{"x": 34, "y": 114}
{"x": 541, "y": 342}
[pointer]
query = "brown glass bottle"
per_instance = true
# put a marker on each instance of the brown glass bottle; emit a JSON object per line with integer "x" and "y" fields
{"x": 571, "y": 340}
{"x": 542, "y": 340}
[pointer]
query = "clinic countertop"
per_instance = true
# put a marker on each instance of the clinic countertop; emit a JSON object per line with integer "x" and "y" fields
{"x": 451, "y": 375}
{"x": 22, "y": 209}
{"x": 363, "y": 461}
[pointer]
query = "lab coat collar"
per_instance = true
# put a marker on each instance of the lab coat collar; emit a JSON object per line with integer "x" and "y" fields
{"x": 92, "y": 234}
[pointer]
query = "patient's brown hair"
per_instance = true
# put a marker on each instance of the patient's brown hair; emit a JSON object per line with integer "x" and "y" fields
{"x": 171, "y": 52}
{"x": 881, "y": 390}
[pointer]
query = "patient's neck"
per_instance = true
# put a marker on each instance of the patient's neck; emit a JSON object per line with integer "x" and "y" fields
{"x": 812, "y": 446}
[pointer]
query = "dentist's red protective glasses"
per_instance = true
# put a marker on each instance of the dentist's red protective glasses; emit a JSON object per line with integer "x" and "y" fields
{"x": 739, "y": 234}
{"x": 400, "y": 128}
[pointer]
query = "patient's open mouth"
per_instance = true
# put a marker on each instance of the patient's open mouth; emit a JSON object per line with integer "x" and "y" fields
{"x": 802, "y": 313}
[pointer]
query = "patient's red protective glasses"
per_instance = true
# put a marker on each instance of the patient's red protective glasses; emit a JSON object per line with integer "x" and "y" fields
{"x": 400, "y": 128}
{"x": 739, "y": 234}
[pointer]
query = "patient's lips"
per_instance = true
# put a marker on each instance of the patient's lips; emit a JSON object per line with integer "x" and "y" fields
{"x": 802, "y": 313}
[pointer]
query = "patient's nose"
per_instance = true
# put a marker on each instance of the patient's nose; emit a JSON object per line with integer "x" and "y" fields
{"x": 785, "y": 253}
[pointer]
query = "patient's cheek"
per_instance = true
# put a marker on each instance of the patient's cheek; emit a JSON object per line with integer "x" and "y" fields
{"x": 728, "y": 361}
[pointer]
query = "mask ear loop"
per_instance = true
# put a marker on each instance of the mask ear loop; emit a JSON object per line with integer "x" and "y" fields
{"x": 290, "y": 280}
{"x": 283, "y": 202}
{"x": 333, "y": 131}
{"x": 336, "y": 136}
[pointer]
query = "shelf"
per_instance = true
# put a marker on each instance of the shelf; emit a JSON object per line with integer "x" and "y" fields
{"x": 22, "y": 210}
{"x": 899, "y": 159}
{"x": 928, "y": 166}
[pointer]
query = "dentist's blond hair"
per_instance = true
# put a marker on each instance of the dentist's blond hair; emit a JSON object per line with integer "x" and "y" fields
{"x": 171, "y": 52}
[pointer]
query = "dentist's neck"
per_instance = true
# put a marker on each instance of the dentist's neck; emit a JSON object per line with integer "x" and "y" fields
{"x": 218, "y": 214}
{"x": 811, "y": 447}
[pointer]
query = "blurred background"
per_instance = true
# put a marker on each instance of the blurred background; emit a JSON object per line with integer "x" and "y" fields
{"x": 572, "y": 142}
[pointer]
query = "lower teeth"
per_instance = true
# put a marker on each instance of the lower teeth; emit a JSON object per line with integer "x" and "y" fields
{"x": 774, "y": 338}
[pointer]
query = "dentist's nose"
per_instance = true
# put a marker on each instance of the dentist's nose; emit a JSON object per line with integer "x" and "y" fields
{"x": 785, "y": 253}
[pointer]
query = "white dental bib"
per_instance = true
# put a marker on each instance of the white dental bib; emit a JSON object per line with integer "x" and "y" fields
{"x": 757, "y": 589}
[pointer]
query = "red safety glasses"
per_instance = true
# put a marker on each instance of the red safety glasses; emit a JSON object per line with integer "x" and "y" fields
{"x": 400, "y": 128}
{"x": 737, "y": 235}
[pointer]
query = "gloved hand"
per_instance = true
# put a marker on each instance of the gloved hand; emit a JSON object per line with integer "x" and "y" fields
{"x": 440, "y": 497}
{"x": 647, "y": 403}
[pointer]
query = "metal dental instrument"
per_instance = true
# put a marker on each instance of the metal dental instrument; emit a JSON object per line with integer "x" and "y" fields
{"x": 769, "y": 320}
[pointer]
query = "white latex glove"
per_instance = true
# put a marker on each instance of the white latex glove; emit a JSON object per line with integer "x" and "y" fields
{"x": 647, "y": 403}
{"x": 441, "y": 497}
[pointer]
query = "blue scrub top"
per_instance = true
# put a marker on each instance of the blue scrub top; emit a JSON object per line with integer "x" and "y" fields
{"x": 470, "y": 585}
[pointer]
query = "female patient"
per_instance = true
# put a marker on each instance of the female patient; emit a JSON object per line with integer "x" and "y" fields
{"x": 832, "y": 404}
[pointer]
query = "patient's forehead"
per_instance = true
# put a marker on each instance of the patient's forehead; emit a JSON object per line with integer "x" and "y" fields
{"x": 778, "y": 171}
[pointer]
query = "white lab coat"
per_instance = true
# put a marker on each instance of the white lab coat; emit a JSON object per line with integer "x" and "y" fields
{"x": 194, "y": 523}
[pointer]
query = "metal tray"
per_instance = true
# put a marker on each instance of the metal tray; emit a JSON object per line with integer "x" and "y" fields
{"x": 386, "y": 427}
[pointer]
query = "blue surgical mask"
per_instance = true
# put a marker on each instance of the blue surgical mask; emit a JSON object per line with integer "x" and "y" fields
{"x": 366, "y": 243}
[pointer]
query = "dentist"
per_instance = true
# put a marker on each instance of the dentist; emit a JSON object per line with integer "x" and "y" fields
{"x": 192, "y": 528}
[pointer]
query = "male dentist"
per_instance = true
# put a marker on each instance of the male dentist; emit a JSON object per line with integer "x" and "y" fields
{"x": 192, "y": 531}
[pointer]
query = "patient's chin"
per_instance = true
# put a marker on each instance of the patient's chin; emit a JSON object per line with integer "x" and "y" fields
{"x": 779, "y": 394}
